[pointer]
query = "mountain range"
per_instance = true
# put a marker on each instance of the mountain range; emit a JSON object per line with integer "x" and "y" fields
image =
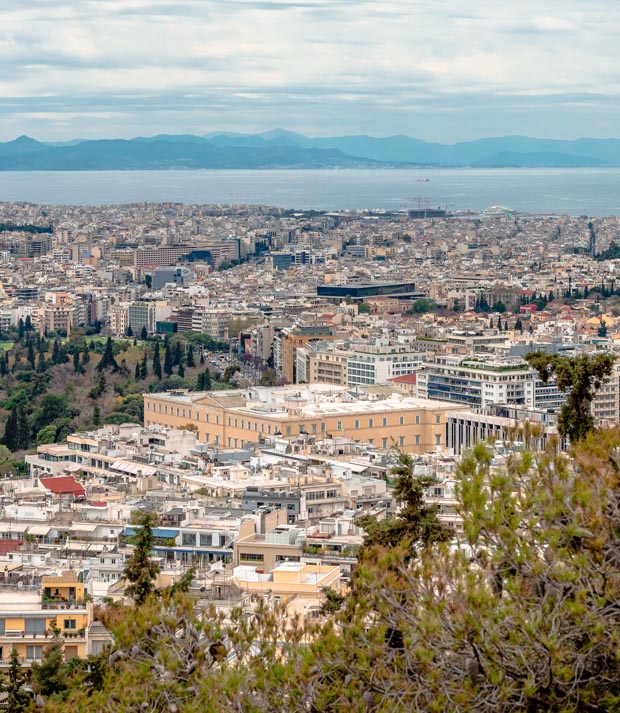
{"x": 286, "y": 149}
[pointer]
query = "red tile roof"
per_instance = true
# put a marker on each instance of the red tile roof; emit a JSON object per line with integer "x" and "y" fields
{"x": 405, "y": 379}
{"x": 63, "y": 485}
{"x": 7, "y": 546}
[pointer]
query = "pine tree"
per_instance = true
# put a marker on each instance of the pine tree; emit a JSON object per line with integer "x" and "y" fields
{"x": 140, "y": 571}
{"x": 12, "y": 684}
{"x": 96, "y": 416}
{"x": 50, "y": 676}
{"x": 168, "y": 361}
{"x": 156, "y": 362}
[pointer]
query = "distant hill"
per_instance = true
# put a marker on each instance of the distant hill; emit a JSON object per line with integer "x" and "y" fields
{"x": 286, "y": 149}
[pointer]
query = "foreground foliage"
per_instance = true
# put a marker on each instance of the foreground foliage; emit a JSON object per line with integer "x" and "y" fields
{"x": 522, "y": 615}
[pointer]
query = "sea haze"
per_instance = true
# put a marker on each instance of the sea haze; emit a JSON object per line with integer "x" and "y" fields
{"x": 587, "y": 191}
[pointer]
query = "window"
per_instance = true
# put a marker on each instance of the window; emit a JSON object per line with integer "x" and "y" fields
{"x": 69, "y": 624}
{"x": 189, "y": 538}
{"x": 34, "y": 626}
{"x": 401, "y": 420}
{"x": 371, "y": 423}
{"x": 384, "y": 422}
{"x": 339, "y": 426}
{"x": 417, "y": 440}
{"x": 251, "y": 557}
{"x": 437, "y": 418}
{"x": 357, "y": 423}
{"x": 438, "y": 439}
{"x": 34, "y": 653}
{"x": 417, "y": 419}
{"x": 401, "y": 440}
{"x": 384, "y": 443}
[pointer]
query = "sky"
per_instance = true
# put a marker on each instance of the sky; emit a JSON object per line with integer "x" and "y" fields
{"x": 440, "y": 70}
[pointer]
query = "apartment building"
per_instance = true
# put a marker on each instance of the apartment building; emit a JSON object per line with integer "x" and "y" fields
{"x": 485, "y": 380}
{"x": 30, "y": 616}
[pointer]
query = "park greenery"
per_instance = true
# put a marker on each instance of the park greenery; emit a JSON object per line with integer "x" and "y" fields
{"x": 54, "y": 385}
{"x": 519, "y": 614}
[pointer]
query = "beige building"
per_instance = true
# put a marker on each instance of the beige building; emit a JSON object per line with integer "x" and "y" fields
{"x": 289, "y": 580}
{"x": 29, "y": 619}
{"x": 236, "y": 419}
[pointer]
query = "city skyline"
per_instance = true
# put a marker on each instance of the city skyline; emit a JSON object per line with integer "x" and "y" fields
{"x": 440, "y": 73}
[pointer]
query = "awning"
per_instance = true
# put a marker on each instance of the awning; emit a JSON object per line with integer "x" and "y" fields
{"x": 165, "y": 533}
{"x": 83, "y": 527}
{"x": 131, "y": 468}
{"x": 39, "y": 530}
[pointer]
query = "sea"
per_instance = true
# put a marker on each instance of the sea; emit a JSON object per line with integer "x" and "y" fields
{"x": 579, "y": 191}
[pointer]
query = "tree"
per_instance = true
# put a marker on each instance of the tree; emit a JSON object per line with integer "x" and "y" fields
{"x": 50, "y": 676}
{"x": 143, "y": 367}
{"x": 178, "y": 354}
{"x": 144, "y": 335}
{"x": 363, "y": 308}
{"x": 129, "y": 332}
{"x": 168, "y": 361}
{"x": 96, "y": 417}
{"x": 12, "y": 684}
{"x": 190, "y": 356}
{"x": 140, "y": 571}
{"x": 181, "y": 370}
{"x": 31, "y": 354}
{"x": 579, "y": 376}
{"x": 108, "y": 360}
{"x": 602, "y": 330}
{"x": 156, "y": 362}
{"x": 519, "y": 325}
{"x": 76, "y": 362}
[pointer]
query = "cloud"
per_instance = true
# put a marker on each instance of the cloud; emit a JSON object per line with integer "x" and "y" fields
{"x": 326, "y": 65}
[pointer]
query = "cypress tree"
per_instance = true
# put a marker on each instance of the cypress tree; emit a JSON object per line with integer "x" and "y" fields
{"x": 136, "y": 375}
{"x": 181, "y": 370}
{"x": 22, "y": 429}
{"x": 20, "y": 329}
{"x": 108, "y": 360}
{"x": 56, "y": 352}
{"x": 85, "y": 355}
{"x": 156, "y": 361}
{"x": 144, "y": 335}
{"x": 4, "y": 364}
{"x": 178, "y": 354}
{"x": 129, "y": 332}
{"x": 168, "y": 361}
{"x": 28, "y": 324}
{"x": 96, "y": 416}
{"x": 206, "y": 383}
{"x": 31, "y": 355}
{"x": 76, "y": 361}
{"x": 9, "y": 439}
{"x": 190, "y": 356}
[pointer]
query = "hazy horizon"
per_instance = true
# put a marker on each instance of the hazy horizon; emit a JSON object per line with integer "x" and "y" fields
{"x": 442, "y": 72}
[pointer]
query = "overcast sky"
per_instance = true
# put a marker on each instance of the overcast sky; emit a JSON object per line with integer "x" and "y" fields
{"x": 441, "y": 70}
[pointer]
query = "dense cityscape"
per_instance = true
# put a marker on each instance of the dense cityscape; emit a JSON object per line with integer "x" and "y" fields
{"x": 251, "y": 378}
